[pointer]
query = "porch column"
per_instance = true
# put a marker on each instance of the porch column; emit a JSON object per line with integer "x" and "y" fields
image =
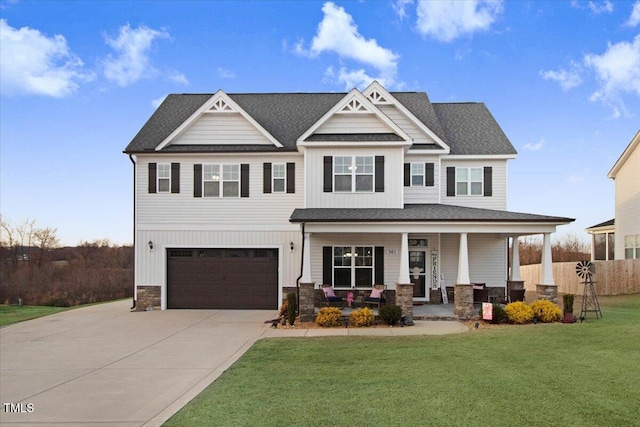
{"x": 547, "y": 288}
{"x": 307, "y": 287}
{"x": 404, "y": 287}
{"x": 463, "y": 262}
{"x": 463, "y": 290}
{"x": 515, "y": 281}
{"x": 306, "y": 259}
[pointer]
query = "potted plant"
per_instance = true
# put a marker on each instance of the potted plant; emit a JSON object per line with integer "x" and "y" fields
{"x": 567, "y": 300}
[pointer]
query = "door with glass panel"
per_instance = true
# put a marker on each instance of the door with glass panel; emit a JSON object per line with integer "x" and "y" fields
{"x": 418, "y": 267}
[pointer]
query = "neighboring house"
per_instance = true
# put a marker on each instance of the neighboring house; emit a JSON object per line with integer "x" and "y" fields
{"x": 239, "y": 197}
{"x": 619, "y": 238}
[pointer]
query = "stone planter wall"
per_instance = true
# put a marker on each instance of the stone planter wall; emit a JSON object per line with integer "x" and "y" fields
{"x": 307, "y": 296}
{"x": 548, "y": 292}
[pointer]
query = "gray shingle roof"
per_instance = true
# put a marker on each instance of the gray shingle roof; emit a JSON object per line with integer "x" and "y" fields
{"x": 466, "y": 128}
{"x": 604, "y": 224}
{"x": 419, "y": 213}
{"x": 328, "y": 137}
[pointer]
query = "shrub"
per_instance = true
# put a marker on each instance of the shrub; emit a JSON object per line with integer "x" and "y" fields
{"x": 291, "y": 308}
{"x": 361, "y": 317}
{"x": 499, "y": 315}
{"x": 546, "y": 311}
{"x": 567, "y": 300}
{"x": 519, "y": 312}
{"x": 329, "y": 317}
{"x": 390, "y": 314}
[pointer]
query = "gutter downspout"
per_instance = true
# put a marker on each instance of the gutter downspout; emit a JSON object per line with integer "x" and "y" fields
{"x": 133, "y": 307}
{"x": 300, "y": 276}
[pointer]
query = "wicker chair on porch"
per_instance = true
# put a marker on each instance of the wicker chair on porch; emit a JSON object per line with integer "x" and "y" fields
{"x": 329, "y": 297}
{"x": 376, "y": 297}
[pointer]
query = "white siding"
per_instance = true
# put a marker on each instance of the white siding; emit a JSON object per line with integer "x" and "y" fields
{"x": 187, "y": 211}
{"x": 417, "y": 134}
{"x": 151, "y": 265}
{"x": 222, "y": 128}
{"x": 390, "y": 198}
{"x": 487, "y": 258}
{"x": 389, "y": 241}
{"x": 499, "y": 198}
{"x": 627, "y": 201}
{"x": 354, "y": 123}
{"x": 422, "y": 194}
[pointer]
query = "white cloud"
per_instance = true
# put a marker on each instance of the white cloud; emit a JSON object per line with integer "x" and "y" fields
{"x": 225, "y": 73}
{"x": 566, "y": 79}
{"x": 155, "y": 103}
{"x": 534, "y": 146}
{"x": 446, "y": 21}
{"x": 399, "y": 6}
{"x": 634, "y": 19}
{"x": 604, "y": 7}
{"x": 33, "y": 64}
{"x": 618, "y": 72}
{"x": 131, "y": 61}
{"x": 339, "y": 34}
{"x": 177, "y": 77}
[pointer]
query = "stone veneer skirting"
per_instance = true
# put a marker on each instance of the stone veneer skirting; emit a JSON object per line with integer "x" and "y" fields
{"x": 404, "y": 299}
{"x": 548, "y": 292}
{"x": 148, "y": 296}
{"x": 463, "y": 298}
{"x": 514, "y": 285}
{"x": 307, "y": 297}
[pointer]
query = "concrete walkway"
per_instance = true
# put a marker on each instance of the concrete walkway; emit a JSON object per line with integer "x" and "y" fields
{"x": 105, "y": 365}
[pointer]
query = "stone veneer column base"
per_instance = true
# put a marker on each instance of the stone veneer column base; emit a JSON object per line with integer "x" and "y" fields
{"x": 548, "y": 292}
{"x": 463, "y": 299}
{"x": 307, "y": 309}
{"x": 404, "y": 299}
{"x": 514, "y": 285}
{"x": 148, "y": 298}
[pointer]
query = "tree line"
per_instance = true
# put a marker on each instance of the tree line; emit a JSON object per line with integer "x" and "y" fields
{"x": 36, "y": 270}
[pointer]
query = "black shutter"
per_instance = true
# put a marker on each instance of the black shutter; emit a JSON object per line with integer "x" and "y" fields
{"x": 152, "y": 177}
{"x": 379, "y": 262}
{"x": 451, "y": 181}
{"x": 291, "y": 177}
{"x": 175, "y": 177}
{"x": 428, "y": 175}
{"x": 327, "y": 265}
{"x": 266, "y": 177}
{"x": 244, "y": 180}
{"x": 407, "y": 174}
{"x": 488, "y": 181}
{"x": 197, "y": 180}
{"x": 328, "y": 174}
{"x": 379, "y": 174}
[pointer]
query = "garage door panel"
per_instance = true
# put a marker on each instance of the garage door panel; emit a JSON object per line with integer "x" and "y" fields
{"x": 222, "y": 281}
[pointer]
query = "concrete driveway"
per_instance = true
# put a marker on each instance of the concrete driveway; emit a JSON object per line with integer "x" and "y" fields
{"x": 103, "y": 364}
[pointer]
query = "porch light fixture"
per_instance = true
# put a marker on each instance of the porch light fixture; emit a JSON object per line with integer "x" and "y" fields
{"x": 150, "y": 245}
{"x": 291, "y": 246}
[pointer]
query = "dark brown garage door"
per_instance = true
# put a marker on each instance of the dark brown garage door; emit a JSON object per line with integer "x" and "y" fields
{"x": 222, "y": 278}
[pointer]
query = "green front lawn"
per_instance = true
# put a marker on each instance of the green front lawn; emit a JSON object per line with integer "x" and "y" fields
{"x": 543, "y": 375}
{"x": 13, "y": 313}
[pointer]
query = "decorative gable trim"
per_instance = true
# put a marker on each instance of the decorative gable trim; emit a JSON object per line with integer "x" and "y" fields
{"x": 354, "y": 103}
{"x": 376, "y": 91}
{"x": 220, "y": 102}
{"x": 624, "y": 156}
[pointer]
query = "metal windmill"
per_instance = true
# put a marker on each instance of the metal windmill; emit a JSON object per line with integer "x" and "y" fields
{"x": 586, "y": 270}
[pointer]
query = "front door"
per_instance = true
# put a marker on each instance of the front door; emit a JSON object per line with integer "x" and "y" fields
{"x": 418, "y": 272}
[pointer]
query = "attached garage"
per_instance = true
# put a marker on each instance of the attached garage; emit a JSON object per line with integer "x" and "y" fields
{"x": 232, "y": 278}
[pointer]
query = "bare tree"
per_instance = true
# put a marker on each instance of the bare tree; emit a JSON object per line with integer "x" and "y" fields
{"x": 9, "y": 239}
{"x": 45, "y": 239}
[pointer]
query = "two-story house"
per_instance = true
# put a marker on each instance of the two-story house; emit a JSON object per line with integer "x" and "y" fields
{"x": 241, "y": 197}
{"x": 619, "y": 238}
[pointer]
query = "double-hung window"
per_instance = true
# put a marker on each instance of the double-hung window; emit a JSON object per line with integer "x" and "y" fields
{"x": 632, "y": 246}
{"x": 352, "y": 266}
{"x": 221, "y": 180}
{"x": 469, "y": 181}
{"x": 279, "y": 177}
{"x": 164, "y": 177}
{"x": 353, "y": 174}
{"x": 417, "y": 174}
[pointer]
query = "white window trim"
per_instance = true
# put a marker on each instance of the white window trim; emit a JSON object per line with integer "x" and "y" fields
{"x": 221, "y": 181}
{"x": 158, "y": 177}
{"x": 469, "y": 181}
{"x": 353, "y": 267}
{"x": 273, "y": 178}
{"x": 634, "y": 246}
{"x": 411, "y": 174}
{"x": 354, "y": 173}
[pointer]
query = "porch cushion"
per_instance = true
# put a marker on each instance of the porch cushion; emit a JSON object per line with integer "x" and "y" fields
{"x": 376, "y": 293}
{"x": 328, "y": 291}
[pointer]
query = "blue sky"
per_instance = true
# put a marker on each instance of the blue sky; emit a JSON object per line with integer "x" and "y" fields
{"x": 78, "y": 80}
